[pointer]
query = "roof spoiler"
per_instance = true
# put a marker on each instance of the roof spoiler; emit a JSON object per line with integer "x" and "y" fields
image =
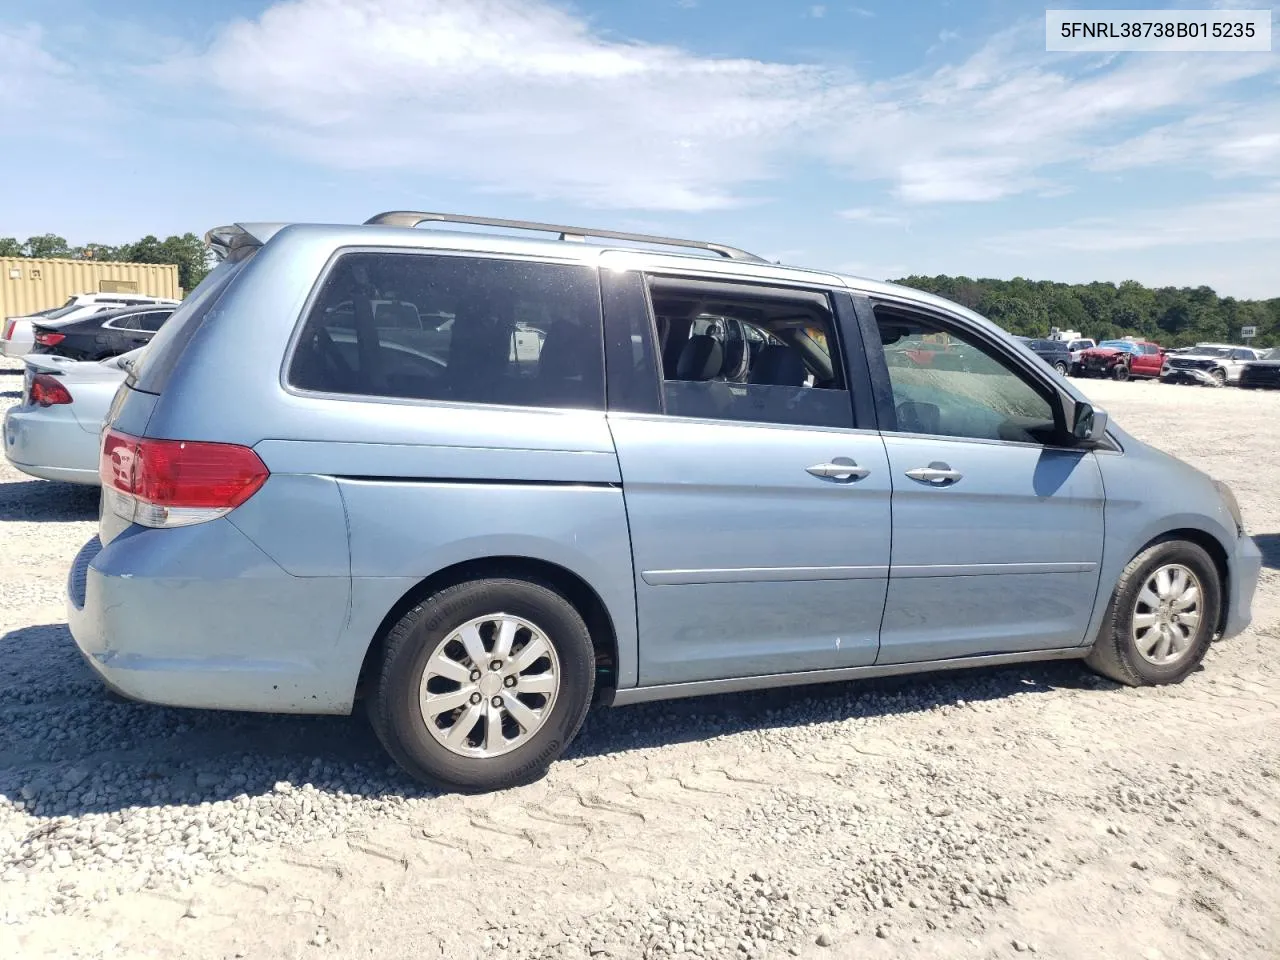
{"x": 228, "y": 240}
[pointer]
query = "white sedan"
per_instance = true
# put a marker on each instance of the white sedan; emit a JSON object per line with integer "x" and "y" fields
{"x": 53, "y": 432}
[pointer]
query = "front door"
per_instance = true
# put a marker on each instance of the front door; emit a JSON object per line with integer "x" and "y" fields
{"x": 1147, "y": 361}
{"x": 997, "y": 530}
{"x": 759, "y": 512}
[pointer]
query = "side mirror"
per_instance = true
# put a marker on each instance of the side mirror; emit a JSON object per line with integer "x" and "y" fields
{"x": 1090, "y": 423}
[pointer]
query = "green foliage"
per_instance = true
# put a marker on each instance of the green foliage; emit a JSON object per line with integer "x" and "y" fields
{"x": 186, "y": 252}
{"x": 46, "y": 245}
{"x": 1171, "y": 316}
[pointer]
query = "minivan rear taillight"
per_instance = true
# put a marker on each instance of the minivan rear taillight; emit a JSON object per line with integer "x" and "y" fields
{"x": 173, "y": 483}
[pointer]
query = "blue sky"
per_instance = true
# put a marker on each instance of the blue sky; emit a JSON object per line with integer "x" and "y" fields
{"x": 875, "y": 138}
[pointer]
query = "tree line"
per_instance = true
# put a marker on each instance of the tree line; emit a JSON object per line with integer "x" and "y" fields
{"x": 186, "y": 252}
{"x": 1170, "y": 316}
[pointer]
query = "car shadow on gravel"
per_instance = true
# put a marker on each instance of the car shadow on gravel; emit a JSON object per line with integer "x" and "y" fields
{"x": 1269, "y": 544}
{"x": 67, "y": 748}
{"x": 45, "y": 501}
{"x": 703, "y": 718}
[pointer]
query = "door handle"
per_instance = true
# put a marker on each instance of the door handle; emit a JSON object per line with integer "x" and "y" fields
{"x": 936, "y": 474}
{"x": 841, "y": 468}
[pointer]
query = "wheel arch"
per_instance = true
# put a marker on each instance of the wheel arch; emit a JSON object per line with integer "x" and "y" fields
{"x": 584, "y": 597}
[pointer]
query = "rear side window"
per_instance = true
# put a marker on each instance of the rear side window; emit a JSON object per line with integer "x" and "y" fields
{"x": 467, "y": 329}
{"x": 152, "y": 321}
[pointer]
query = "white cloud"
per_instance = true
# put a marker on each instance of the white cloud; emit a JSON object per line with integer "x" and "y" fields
{"x": 42, "y": 94}
{"x": 525, "y": 97}
{"x": 1243, "y": 217}
{"x": 879, "y": 218}
{"x": 817, "y": 11}
{"x": 512, "y": 96}
{"x": 1229, "y": 140}
{"x": 522, "y": 97}
{"x": 1001, "y": 122}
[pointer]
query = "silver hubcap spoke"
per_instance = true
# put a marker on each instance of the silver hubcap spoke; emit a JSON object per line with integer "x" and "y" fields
{"x": 537, "y": 647}
{"x": 538, "y": 683}
{"x": 489, "y": 686}
{"x": 1166, "y": 614}
{"x": 438, "y": 703}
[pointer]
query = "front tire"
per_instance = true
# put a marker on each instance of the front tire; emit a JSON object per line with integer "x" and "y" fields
{"x": 1162, "y": 616}
{"x": 1120, "y": 372}
{"x": 1060, "y": 367}
{"x": 484, "y": 684}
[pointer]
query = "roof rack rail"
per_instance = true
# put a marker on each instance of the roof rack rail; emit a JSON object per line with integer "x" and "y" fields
{"x": 410, "y": 218}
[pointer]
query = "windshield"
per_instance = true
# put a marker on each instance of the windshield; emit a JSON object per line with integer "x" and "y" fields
{"x": 1211, "y": 351}
{"x": 1117, "y": 344}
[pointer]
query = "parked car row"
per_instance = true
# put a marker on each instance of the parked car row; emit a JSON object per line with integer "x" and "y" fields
{"x": 18, "y": 336}
{"x": 1216, "y": 364}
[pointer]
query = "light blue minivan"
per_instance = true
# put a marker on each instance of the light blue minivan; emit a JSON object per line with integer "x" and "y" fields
{"x": 482, "y": 480}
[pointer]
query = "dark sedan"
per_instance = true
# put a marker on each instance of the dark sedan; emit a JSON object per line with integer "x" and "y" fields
{"x": 1053, "y": 352}
{"x": 102, "y": 335}
{"x": 1262, "y": 373}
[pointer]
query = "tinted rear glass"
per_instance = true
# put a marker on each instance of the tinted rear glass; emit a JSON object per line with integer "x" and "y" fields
{"x": 455, "y": 328}
{"x": 58, "y": 313}
{"x": 151, "y": 373}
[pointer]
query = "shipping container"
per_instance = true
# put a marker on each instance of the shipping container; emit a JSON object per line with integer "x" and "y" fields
{"x": 28, "y": 285}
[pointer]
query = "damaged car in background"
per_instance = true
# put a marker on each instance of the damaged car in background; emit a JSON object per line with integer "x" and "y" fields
{"x": 1122, "y": 360}
{"x": 1210, "y": 364}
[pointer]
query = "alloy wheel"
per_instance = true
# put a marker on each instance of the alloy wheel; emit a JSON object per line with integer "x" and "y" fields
{"x": 489, "y": 686}
{"x": 1166, "y": 614}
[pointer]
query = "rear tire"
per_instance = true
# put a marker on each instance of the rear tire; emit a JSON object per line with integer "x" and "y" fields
{"x": 1148, "y": 638}
{"x": 456, "y": 660}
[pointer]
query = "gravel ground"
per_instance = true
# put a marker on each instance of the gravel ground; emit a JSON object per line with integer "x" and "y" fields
{"x": 1024, "y": 810}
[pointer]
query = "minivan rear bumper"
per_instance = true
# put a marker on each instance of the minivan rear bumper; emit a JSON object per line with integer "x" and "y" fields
{"x": 224, "y": 628}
